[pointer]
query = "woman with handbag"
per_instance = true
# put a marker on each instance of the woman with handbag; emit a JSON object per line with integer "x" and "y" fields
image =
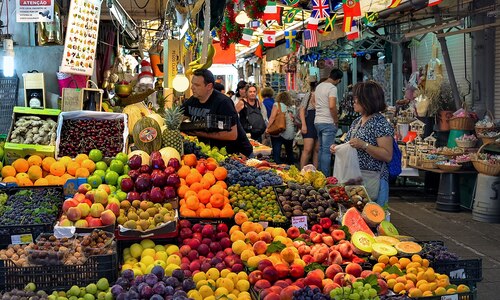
{"x": 372, "y": 136}
{"x": 307, "y": 111}
{"x": 281, "y": 127}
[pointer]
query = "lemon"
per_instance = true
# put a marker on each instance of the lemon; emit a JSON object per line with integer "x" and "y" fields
{"x": 171, "y": 249}
{"x": 148, "y": 252}
{"x": 222, "y": 291}
{"x": 213, "y": 274}
{"x": 174, "y": 259}
{"x": 243, "y": 285}
{"x": 159, "y": 248}
{"x": 136, "y": 250}
{"x": 147, "y": 260}
{"x": 199, "y": 276}
{"x": 126, "y": 267}
{"x": 147, "y": 243}
{"x": 170, "y": 268}
{"x": 205, "y": 291}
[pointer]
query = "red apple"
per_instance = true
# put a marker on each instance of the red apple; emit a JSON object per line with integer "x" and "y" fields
{"x": 296, "y": 271}
{"x": 255, "y": 276}
{"x": 108, "y": 217}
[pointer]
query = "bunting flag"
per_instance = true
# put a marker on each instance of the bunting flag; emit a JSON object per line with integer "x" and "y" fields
{"x": 274, "y": 13}
{"x": 351, "y": 8}
{"x": 290, "y": 15}
{"x": 347, "y": 24}
{"x": 290, "y": 36}
{"x": 330, "y": 23}
{"x": 259, "y": 51}
{"x": 269, "y": 38}
{"x": 354, "y": 32}
{"x": 293, "y": 3}
{"x": 321, "y": 9}
{"x": 394, "y": 3}
{"x": 246, "y": 37}
{"x": 310, "y": 38}
{"x": 312, "y": 23}
{"x": 254, "y": 24}
{"x": 270, "y": 8}
{"x": 370, "y": 18}
{"x": 434, "y": 2}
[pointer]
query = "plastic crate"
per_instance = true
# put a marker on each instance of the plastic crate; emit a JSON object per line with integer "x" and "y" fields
{"x": 60, "y": 277}
{"x": 462, "y": 271}
{"x": 458, "y": 296}
{"x": 9, "y": 87}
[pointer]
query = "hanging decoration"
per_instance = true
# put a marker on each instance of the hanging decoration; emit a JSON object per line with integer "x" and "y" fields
{"x": 247, "y": 36}
{"x": 230, "y": 31}
{"x": 259, "y": 51}
{"x": 310, "y": 38}
{"x": 394, "y": 3}
{"x": 312, "y": 24}
{"x": 290, "y": 15}
{"x": 354, "y": 32}
{"x": 370, "y": 19}
{"x": 330, "y": 23}
{"x": 352, "y": 9}
{"x": 293, "y": 3}
{"x": 254, "y": 8}
{"x": 290, "y": 36}
{"x": 434, "y": 2}
{"x": 269, "y": 38}
{"x": 321, "y": 9}
{"x": 273, "y": 13}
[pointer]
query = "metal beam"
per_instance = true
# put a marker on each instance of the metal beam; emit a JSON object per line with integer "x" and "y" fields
{"x": 467, "y": 30}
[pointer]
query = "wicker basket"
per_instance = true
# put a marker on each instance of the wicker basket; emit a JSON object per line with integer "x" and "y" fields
{"x": 429, "y": 164}
{"x": 481, "y": 130}
{"x": 449, "y": 168}
{"x": 484, "y": 167}
{"x": 465, "y": 143}
{"x": 462, "y": 123}
{"x": 466, "y": 165}
{"x": 489, "y": 139}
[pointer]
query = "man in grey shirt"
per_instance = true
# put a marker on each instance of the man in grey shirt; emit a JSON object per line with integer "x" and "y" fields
{"x": 326, "y": 119}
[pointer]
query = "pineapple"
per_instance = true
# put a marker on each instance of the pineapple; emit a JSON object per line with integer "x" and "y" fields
{"x": 171, "y": 136}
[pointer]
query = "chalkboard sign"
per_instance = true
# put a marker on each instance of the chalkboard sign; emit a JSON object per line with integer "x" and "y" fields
{"x": 71, "y": 99}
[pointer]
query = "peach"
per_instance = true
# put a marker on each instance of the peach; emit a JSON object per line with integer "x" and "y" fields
{"x": 265, "y": 236}
{"x": 293, "y": 232}
{"x": 282, "y": 270}
{"x": 296, "y": 271}
{"x": 354, "y": 269}
{"x": 278, "y": 231}
{"x": 246, "y": 227}
{"x": 287, "y": 293}
{"x": 333, "y": 270}
{"x": 316, "y": 237}
{"x": 321, "y": 255}
{"x": 338, "y": 235}
{"x": 261, "y": 285}
{"x": 240, "y": 218}
{"x": 308, "y": 259}
{"x": 260, "y": 247}
{"x": 69, "y": 203}
{"x": 252, "y": 237}
{"x": 328, "y": 240}
{"x": 108, "y": 217}
{"x": 270, "y": 274}
{"x": 327, "y": 288}
{"x": 345, "y": 250}
{"x": 74, "y": 214}
{"x": 317, "y": 272}
{"x": 304, "y": 249}
{"x": 288, "y": 254}
{"x": 313, "y": 279}
{"x": 334, "y": 257}
{"x": 280, "y": 284}
{"x": 343, "y": 279}
{"x": 254, "y": 276}
{"x": 271, "y": 296}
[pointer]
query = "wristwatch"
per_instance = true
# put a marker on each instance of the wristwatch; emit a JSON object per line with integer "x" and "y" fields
{"x": 366, "y": 146}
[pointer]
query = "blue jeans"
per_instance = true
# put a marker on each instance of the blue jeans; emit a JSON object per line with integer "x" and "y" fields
{"x": 383, "y": 193}
{"x": 326, "y": 137}
{"x": 279, "y": 141}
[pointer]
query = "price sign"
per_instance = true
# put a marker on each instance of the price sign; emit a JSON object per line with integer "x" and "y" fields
{"x": 21, "y": 239}
{"x": 264, "y": 224}
{"x": 300, "y": 222}
{"x": 450, "y": 297}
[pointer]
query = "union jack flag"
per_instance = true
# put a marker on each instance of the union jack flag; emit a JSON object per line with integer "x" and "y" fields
{"x": 310, "y": 38}
{"x": 321, "y": 9}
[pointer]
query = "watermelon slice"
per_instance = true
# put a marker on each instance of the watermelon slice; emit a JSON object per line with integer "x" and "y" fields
{"x": 354, "y": 221}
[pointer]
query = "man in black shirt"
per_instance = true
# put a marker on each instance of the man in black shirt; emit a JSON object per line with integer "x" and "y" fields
{"x": 206, "y": 100}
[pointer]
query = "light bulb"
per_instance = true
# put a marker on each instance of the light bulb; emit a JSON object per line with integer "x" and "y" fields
{"x": 180, "y": 82}
{"x": 242, "y": 18}
{"x": 8, "y": 58}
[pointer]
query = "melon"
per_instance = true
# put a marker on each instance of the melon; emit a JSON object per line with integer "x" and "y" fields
{"x": 354, "y": 221}
{"x": 386, "y": 228}
{"x": 383, "y": 249}
{"x": 362, "y": 242}
{"x": 158, "y": 119}
{"x": 147, "y": 135}
{"x": 144, "y": 156}
{"x": 168, "y": 152}
{"x": 389, "y": 240}
{"x": 373, "y": 214}
{"x": 408, "y": 248}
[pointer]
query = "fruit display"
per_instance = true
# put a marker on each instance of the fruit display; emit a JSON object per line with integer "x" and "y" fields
{"x": 105, "y": 135}
{"x": 143, "y": 256}
{"x": 90, "y": 208}
{"x": 257, "y": 204}
{"x": 156, "y": 285}
{"x": 239, "y": 173}
{"x": 171, "y": 135}
{"x": 202, "y": 150}
{"x": 356, "y": 290}
{"x": 207, "y": 246}
{"x": 29, "y": 292}
{"x": 109, "y": 173}
{"x": 354, "y": 221}
{"x": 203, "y": 192}
{"x": 49, "y": 250}
{"x": 437, "y": 251}
{"x": 98, "y": 242}
{"x": 315, "y": 178}
{"x": 305, "y": 200}
{"x": 17, "y": 254}
{"x": 222, "y": 284}
{"x": 144, "y": 215}
{"x": 30, "y": 206}
{"x": 34, "y": 130}
{"x": 192, "y": 148}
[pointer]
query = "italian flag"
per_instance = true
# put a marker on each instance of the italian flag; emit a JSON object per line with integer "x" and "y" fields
{"x": 434, "y": 2}
{"x": 313, "y": 23}
{"x": 247, "y": 37}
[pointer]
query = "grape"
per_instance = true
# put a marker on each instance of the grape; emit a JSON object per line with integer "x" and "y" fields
{"x": 358, "y": 291}
{"x": 436, "y": 251}
{"x": 308, "y": 293}
{"x": 239, "y": 173}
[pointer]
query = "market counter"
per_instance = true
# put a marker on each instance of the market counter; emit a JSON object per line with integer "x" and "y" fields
{"x": 449, "y": 195}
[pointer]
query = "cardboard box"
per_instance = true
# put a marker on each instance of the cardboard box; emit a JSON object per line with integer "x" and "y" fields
{"x": 14, "y": 151}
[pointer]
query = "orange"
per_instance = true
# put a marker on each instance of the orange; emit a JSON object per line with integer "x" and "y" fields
{"x": 217, "y": 200}
{"x": 42, "y": 181}
{"x": 190, "y": 160}
{"x": 66, "y": 177}
{"x": 206, "y": 185}
{"x": 192, "y": 202}
{"x": 182, "y": 202}
{"x": 216, "y": 212}
{"x": 47, "y": 162}
{"x": 240, "y": 218}
{"x": 220, "y": 173}
{"x": 206, "y": 213}
{"x": 8, "y": 171}
{"x": 82, "y": 172}
{"x": 193, "y": 177}
{"x": 204, "y": 196}
{"x": 181, "y": 191}
{"x": 196, "y": 187}
{"x": 21, "y": 165}
{"x": 183, "y": 171}
{"x": 72, "y": 167}
{"x": 35, "y": 160}
{"x": 210, "y": 178}
{"x": 226, "y": 212}
{"x": 81, "y": 157}
{"x": 25, "y": 182}
{"x": 55, "y": 180}
{"x": 216, "y": 189}
{"x": 89, "y": 165}
{"x": 57, "y": 169}
{"x": 189, "y": 194}
{"x": 10, "y": 179}
{"x": 188, "y": 213}
{"x": 183, "y": 181}
{"x": 19, "y": 176}
{"x": 223, "y": 184}
{"x": 65, "y": 160}
{"x": 211, "y": 165}
{"x": 35, "y": 173}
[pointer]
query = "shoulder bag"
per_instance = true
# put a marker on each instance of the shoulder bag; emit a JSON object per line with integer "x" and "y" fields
{"x": 279, "y": 123}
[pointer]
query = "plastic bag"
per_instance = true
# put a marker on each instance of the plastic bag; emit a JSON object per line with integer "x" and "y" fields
{"x": 346, "y": 168}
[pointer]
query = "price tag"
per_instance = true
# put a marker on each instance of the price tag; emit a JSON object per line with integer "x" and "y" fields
{"x": 220, "y": 124}
{"x": 450, "y": 297}
{"x": 458, "y": 274}
{"x": 21, "y": 239}
{"x": 264, "y": 224}
{"x": 300, "y": 222}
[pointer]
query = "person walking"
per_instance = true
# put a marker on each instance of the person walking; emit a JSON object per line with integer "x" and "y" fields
{"x": 326, "y": 118}
{"x": 307, "y": 112}
{"x": 372, "y": 136}
{"x": 251, "y": 114}
{"x": 284, "y": 100}
{"x": 267, "y": 94}
{"x": 241, "y": 93}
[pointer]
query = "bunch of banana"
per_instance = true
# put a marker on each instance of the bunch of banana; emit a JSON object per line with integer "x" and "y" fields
{"x": 195, "y": 64}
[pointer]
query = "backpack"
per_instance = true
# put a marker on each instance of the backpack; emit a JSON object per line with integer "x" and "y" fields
{"x": 254, "y": 122}
{"x": 394, "y": 166}
{"x": 289, "y": 132}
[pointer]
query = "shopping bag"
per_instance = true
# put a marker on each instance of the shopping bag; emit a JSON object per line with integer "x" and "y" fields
{"x": 346, "y": 167}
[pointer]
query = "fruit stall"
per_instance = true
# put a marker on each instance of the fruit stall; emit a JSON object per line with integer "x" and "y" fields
{"x": 104, "y": 218}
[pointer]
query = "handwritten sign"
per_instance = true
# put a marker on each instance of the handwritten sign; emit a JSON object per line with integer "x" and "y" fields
{"x": 450, "y": 297}
{"x": 21, "y": 239}
{"x": 300, "y": 222}
{"x": 71, "y": 99}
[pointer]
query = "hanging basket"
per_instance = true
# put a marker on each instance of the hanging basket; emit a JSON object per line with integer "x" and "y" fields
{"x": 483, "y": 166}
{"x": 462, "y": 123}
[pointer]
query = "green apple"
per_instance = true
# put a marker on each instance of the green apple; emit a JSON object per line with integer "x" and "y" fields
{"x": 121, "y": 195}
{"x": 123, "y": 157}
{"x": 101, "y": 165}
{"x": 111, "y": 178}
{"x": 95, "y": 155}
{"x": 100, "y": 173}
{"x": 94, "y": 180}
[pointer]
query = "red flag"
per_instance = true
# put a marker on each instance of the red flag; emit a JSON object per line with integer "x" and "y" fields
{"x": 259, "y": 51}
{"x": 351, "y": 8}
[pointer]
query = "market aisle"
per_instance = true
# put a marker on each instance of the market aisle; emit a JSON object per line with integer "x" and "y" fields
{"x": 470, "y": 239}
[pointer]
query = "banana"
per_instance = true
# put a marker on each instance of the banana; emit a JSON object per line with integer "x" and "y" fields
{"x": 194, "y": 62}
{"x": 196, "y": 65}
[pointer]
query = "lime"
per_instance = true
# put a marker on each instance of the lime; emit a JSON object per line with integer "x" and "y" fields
{"x": 95, "y": 155}
{"x": 126, "y": 169}
{"x": 123, "y": 157}
{"x": 100, "y": 165}
{"x": 117, "y": 166}
{"x": 111, "y": 178}
{"x": 94, "y": 180}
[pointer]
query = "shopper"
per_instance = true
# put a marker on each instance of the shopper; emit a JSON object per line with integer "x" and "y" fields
{"x": 230, "y": 93}
{"x": 219, "y": 87}
{"x": 286, "y": 137}
{"x": 326, "y": 118}
{"x": 206, "y": 100}
{"x": 251, "y": 114}
{"x": 241, "y": 92}
{"x": 372, "y": 136}
{"x": 307, "y": 112}
{"x": 267, "y": 94}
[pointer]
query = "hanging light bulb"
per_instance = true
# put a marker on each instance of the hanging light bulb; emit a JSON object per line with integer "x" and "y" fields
{"x": 242, "y": 18}
{"x": 8, "y": 58}
{"x": 180, "y": 82}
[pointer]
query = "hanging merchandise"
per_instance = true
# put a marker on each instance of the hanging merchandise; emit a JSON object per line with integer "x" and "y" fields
{"x": 269, "y": 38}
{"x": 321, "y": 9}
{"x": 259, "y": 51}
{"x": 394, "y": 3}
{"x": 230, "y": 31}
{"x": 352, "y": 9}
{"x": 51, "y": 32}
{"x": 433, "y": 75}
{"x": 290, "y": 36}
{"x": 247, "y": 36}
{"x": 293, "y": 3}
